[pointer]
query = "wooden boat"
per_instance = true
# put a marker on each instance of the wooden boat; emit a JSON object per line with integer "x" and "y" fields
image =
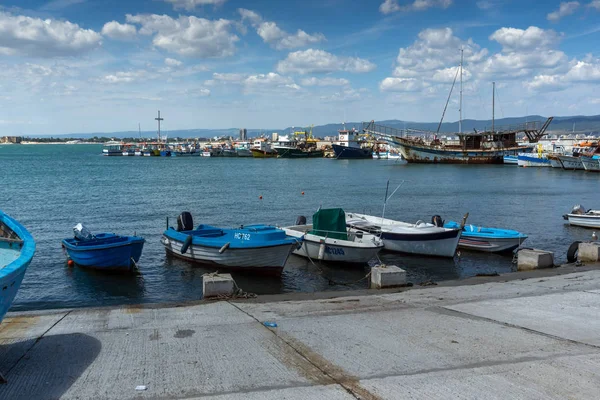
{"x": 580, "y": 217}
{"x": 17, "y": 248}
{"x": 419, "y": 238}
{"x": 328, "y": 239}
{"x": 104, "y": 250}
{"x": 257, "y": 248}
{"x": 489, "y": 240}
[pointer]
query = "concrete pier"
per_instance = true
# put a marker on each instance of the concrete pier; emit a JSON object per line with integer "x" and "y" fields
{"x": 529, "y": 259}
{"x": 215, "y": 285}
{"x": 589, "y": 252}
{"x": 387, "y": 276}
{"x": 493, "y": 338}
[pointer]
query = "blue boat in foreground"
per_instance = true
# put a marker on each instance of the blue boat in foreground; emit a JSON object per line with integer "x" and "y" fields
{"x": 104, "y": 250}
{"x": 490, "y": 240}
{"x": 16, "y": 251}
{"x": 257, "y": 248}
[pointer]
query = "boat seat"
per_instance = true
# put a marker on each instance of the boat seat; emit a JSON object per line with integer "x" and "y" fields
{"x": 9, "y": 240}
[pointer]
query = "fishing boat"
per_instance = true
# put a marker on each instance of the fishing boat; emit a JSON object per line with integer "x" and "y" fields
{"x": 511, "y": 160}
{"x": 262, "y": 149}
{"x": 243, "y": 149}
{"x": 533, "y": 160}
{"x": 418, "y": 238}
{"x": 16, "y": 251}
{"x": 328, "y": 239}
{"x": 349, "y": 147}
{"x": 489, "y": 147}
{"x": 489, "y": 240}
{"x": 580, "y": 217}
{"x": 258, "y": 248}
{"x": 112, "y": 148}
{"x": 106, "y": 251}
{"x": 554, "y": 160}
{"x": 591, "y": 164}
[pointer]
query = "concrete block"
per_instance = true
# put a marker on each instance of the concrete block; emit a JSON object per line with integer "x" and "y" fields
{"x": 529, "y": 259}
{"x": 387, "y": 276}
{"x": 217, "y": 285}
{"x": 589, "y": 252}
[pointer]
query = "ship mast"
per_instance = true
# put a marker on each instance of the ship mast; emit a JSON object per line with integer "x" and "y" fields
{"x": 493, "y": 104}
{"x": 461, "y": 92}
{"x": 159, "y": 119}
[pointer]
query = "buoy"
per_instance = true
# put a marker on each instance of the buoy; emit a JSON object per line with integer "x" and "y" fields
{"x": 260, "y": 197}
{"x": 70, "y": 263}
{"x": 225, "y": 247}
{"x": 302, "y": 193}
{"x": 321, "y": 251}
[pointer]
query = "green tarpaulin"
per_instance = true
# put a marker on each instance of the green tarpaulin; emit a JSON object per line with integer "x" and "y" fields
{"x": 330, "y": 222}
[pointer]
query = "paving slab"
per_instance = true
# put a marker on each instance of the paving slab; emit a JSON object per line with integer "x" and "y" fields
{"x": 571, "y": 315}
{"x": 170, "y": 362}
{"x": 331, "y": 392}
{"x": 406, "y": 341}
{"x": 28, "y": 326}
{"x": 561, "y": 378}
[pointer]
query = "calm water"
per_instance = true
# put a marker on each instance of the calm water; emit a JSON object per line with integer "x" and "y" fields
{"x": 49, "y": 188}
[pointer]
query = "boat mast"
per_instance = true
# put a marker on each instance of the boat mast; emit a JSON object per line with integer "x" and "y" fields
{"x": 159, "y": 119}
{"x": 140, "y": 130}
{"x": 493, "y": 105}
{"x": 461, "y": 92}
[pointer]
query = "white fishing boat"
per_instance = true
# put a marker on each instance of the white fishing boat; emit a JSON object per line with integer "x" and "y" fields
{"x": 533, "y": 160}
{"x": 580, "y": 217}
{"x": 571, "y": 162}
{"x": 112, "y": 148}
{"x": 419, "y": 238}
{"x": 590, "y": 163}
{"x": 328, "y": 239}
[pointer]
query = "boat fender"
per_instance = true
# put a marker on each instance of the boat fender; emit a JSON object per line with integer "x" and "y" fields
{"x": 301, "y": 220}
{"x": 572, "y": 252}
{"x": 321, "y": 251}
{"x": 225, "y": 247}
{"x": 186, "y": 244}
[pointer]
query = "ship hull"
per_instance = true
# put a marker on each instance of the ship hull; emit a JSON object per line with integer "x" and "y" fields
{"x": 350, "y": 153}
{"x": 424, "y": 154}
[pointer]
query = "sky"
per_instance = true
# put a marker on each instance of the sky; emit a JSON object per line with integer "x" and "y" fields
{"x": 84, "y": 66}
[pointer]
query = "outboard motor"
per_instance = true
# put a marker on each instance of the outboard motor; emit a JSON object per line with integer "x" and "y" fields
{"x": 301, "y": 220}
{"x": 185, "y": 222}
{"x": 82, "y": 233}
{"x": 437, "y": 221}
{"x": 578, "y": 209}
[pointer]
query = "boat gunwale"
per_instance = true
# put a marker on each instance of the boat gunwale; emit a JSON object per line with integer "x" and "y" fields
{"x": 130, "y": 240}
{"x": 356, "y": 245}
{"x": 27, "y": 250}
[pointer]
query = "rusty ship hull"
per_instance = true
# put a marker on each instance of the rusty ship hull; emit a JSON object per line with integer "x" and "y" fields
{"x": 427, "y": 154}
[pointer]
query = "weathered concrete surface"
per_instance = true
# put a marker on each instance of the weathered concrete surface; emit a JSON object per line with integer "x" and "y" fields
{"x": 215, "y": 285}
{"x": 529, "y": 259}
{"x": 387, "y": 276}
{"x": 589, "y": 252}
{"x": 530, "y": 339}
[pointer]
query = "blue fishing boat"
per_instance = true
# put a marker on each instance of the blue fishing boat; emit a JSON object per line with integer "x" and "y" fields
{"x": 104, "y": 250}
{"x": 16, "y": 251}
{"x": 490, "y": 240}
{"x": 258, "y": 248}
{"x": 511, "y": 159}
{"x": 350, "y": 147}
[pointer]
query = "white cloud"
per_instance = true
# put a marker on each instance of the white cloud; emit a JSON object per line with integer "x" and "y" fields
{"x": 319, "y": 61}
{"x": 256, "y": 83}
{"x": 171, "y": 62}
{"x": 188, "y": 35}
{"x": 532, "y": 38}
{"x": 546, "y": 83}
{"x": 595, "y": 4}
{"x": 401, "y": 85}
{"x": 344, "y": 95}
{"x": 115, "y": 30}
{"x": 127, "y": 76}
{"x": 44, "y": 38}
{"x": 447, "y": 75}
{"x": 391, "y": 6}
{"x": 277, "y": 37}
{"x": 190, "y": 5}
{"x": 485, "y": 4}
{"x": 327, "y": 81}
{"x": 582, "y": 71}
{"x": 565, "y": 8}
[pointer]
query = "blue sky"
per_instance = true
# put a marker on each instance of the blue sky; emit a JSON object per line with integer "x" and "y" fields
{"x": 101, "y": 66}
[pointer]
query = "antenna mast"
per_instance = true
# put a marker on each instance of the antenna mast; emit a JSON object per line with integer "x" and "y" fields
{"x": 159, "y": 119}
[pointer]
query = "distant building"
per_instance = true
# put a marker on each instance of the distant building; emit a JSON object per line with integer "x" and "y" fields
{"x": 11, "y": 139}
{"x": 243, "y": 134}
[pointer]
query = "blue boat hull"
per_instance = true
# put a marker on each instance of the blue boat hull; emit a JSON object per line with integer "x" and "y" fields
{"x": 489, "y": 240}
{"x": 122, "y": 256}
{"x": 11, "y": 275}
{"x": 350, "y": 153}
